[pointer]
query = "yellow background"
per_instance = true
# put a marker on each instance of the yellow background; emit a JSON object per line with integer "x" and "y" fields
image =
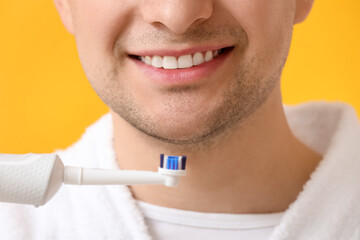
{"x": 46, "y": 102}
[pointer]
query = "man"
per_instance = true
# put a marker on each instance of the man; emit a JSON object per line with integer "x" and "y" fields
{"x": 202, "y": 79}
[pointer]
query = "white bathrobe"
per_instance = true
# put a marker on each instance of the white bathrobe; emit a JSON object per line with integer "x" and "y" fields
{"x": 328, "y": 208}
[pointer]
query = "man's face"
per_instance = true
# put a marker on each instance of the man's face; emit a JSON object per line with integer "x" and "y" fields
{"x": 192, "y": 103}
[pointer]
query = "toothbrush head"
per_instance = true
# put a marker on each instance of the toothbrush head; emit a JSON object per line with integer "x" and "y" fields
{"x": 172, "y": 162}
{"x": 172, "y": 167}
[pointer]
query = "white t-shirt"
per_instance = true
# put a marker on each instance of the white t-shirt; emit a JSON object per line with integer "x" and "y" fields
{"x": 168, "y": 223}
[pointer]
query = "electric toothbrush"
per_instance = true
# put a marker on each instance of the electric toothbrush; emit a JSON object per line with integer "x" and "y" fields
{"x": 35, "y": 178}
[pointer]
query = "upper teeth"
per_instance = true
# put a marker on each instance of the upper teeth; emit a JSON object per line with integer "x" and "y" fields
{"x": 185, "y": 61}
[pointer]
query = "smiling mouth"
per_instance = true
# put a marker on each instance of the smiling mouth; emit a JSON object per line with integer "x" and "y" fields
{"x": 181, "y": 62}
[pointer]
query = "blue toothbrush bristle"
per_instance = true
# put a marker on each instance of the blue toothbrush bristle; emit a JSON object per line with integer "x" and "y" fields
{"x": 173, "y": 162}
{"x": 168, "y": 163}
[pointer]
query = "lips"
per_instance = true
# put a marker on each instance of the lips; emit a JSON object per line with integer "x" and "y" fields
{"x": 178, "y": 67}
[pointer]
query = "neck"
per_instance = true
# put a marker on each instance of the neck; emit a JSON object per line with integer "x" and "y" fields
{"x": 260, "y": 167}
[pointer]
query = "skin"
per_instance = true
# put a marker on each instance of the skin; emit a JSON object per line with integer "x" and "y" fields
{"x": 242, "y": 156}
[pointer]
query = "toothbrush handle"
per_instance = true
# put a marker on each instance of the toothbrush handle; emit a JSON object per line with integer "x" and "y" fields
{"x": 30, "y": 178}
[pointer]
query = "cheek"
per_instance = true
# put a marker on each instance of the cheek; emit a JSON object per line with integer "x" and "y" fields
{"x": 268, "y": 25}
{"x": 261, "y": 19}
{"x": 97, "y": 26}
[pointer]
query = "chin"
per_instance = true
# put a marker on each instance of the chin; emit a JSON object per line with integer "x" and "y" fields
{"x": 180, "y": 140}
{"x": 180, "y": 133}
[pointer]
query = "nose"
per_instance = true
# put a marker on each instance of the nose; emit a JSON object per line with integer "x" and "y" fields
{"x": 176, "y": 15}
